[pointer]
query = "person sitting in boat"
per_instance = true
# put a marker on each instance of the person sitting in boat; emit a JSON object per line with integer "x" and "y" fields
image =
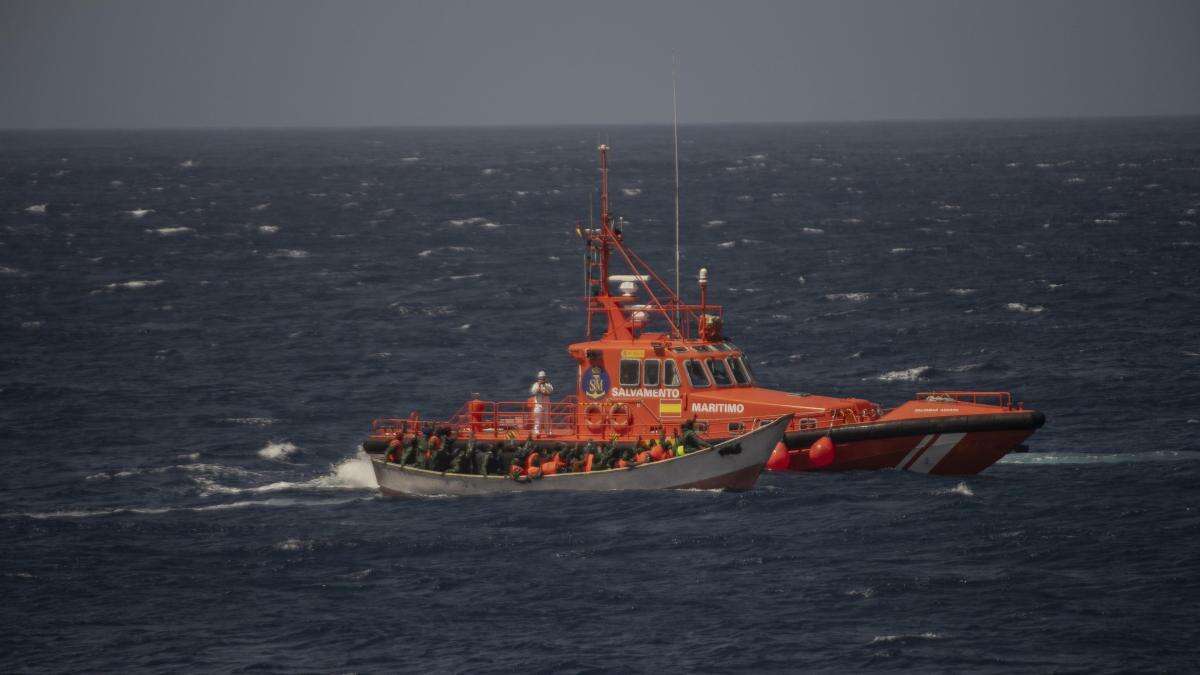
{"x": 691, "y": 438}
{"x": 540, "y": 391}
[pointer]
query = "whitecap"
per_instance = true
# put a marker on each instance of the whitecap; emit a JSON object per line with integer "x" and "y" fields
{"x": 36, "y": 208}
{"x": 714, "y": 223}
{"x": 905, "y": 638}
{"x": 187, "y": 163}
{"x": 962, "y": 490}
{"x": 490, "y": 172}
{"x": 261, "y": 207}
{"x": 852, "y": 297}
{"x": 268, "y": 229}
{"x": 1074, "y": 180}
{"x": 31, "y": 325}
{"x": 906, "y": 375}
{"x": 962, "y": 291}
{"x": 11, "y": 271}
{"x": 727, "y": 244}
{"x": 460, "y": 277}
{"x": 252, "y": 421}
{"x": 1024, "y": 309}
{"x": 459, "y": 222}
{"x": 278, "y": 450}
{"x": 293, "y": 545}
{"x": 631, "y": 192}
{"x": 290, "y": 253}
{"x": 901, "y": 250}
{"x": 426, "y": 253}
{"x": 1074, "y": 458}
{"x": 1104, "y": 221}
{"x": 864, "y": 593}
{"x": 812, "y": 230}
{"x": 169, "y": 231}
{"x": 490, "y": 225}
{"x": 133, "y": 285}
{"x": 139, "y": 213}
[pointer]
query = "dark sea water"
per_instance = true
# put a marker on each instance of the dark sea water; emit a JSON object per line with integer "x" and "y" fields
{"x": 196, "y": 328}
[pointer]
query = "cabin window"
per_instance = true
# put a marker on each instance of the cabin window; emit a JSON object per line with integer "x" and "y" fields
{"x": 724, "y": 346}
{"x": 746, "y": 367}
{"x": 629, "y": 372}
{"x": 719, "y": 374}
{"x": 679, "y": 349}
{"x": 739, "y": 373}
{"x": 696, "y": 374}
{"x": 670, "y": 374}
{"x": 650, "y": 372}
{"x": 703, "y": 348}
{"x": 737, "y": 426}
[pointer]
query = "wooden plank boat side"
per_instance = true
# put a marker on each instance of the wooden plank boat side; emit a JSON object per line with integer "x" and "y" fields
{"x": 704, "y": 469}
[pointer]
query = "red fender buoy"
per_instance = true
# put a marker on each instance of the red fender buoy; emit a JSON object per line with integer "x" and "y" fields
{"x": 780, "y": 460}
{"x": 822, "y": 453}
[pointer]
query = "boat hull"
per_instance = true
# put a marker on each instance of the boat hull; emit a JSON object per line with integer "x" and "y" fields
{"x": 956, "y": 446}
{"x": 714, "y": 468}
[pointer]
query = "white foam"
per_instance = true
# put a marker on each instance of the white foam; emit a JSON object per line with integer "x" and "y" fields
{"x": 631, "y": 192}
{"x": 812, "y": 230}
{"x": 139, "y": 213}
{"x": 268, "y": 229}
{"x": 36, "y": 208}
{"x": 1073, "y": 458}
{"x": 905, "y": 638}
{"x": 12, "y": 271}
{"x": 490, "y": 172}
{"x": 410, "y": 159}
{"x": 278, "y": 450}
{"x": 962, "y": 490}
{"x": 460, "y": 277}
{"x": 490, "y": 225}
{"x": 290, "y": 253}
{"x": 261, "y": 207}
{"x": 1024, "y": 309}
{"x": 907, "y": 375}
{"x": 253, "y": 421}
{"x": 459, "y": 222}
{"x": 1105, "y": 221}
{"x": 901, "y": 250}
{"x": 134, "y": 285}
{"x": 852, "y": 297}
{"x": 1074, "y": 180}
{"x": 727, "y": 244}
{"x": 354, "y": 473}
{"x": 293, "y": 545}
{"x": 864, "y": 593}
{"x": 31, "y": 325}
{"x": 168, "y": 231}
{"x": 962, "y": 291}
{"x": 426, "y": 253}
{"x": 187, "y": 163}
{"x": 714, "y": 223}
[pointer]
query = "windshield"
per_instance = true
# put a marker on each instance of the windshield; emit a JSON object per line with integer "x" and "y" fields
{"x": 695, "y": 371}
{"x": 719, "y": 374}
{"x": 739, "y": 373}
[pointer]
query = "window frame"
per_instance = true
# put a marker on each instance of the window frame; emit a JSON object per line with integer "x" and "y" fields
{"x": 700, "y": 367}
{"x": 735, "y": 366}
{"x": 712, "y": 372}
{"x": 637, "y": 372}
{"x": 657, "y": 376}
{"x": 674, "y": 368}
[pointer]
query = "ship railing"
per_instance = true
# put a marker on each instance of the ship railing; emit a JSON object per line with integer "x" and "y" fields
{"x": 998, "y": 398}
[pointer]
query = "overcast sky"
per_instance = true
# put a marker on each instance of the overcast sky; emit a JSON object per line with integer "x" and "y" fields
{"x": 116, "y": 63}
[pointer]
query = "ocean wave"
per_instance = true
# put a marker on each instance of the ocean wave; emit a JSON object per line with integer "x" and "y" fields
{"x": 290, "y": 253}
{"x": 354, "y": 473}
{"x": 278, "y": 450}
{"x": 187, "y": 164}
{"x": 294, "y": 545}
{"x": 901, "y": 250}
{"x": 1073, "y": 458}
{"x": 168, "y": 231}
{"x": 812, "y": 230}
{"x": 11, "y": 271}
{"x": 139, "y": 213}
{"x": 727, "y": 244}
{"x": 961, "y": 291}
{"x": 141, "y": 510}
{"x": 1024, "y": 309}
{"x": 852, "y": 297}
{"x": 911, "y": 637}
{"x": 906, "y": 375}
{"x": 134, "y": 285}
{"x": 962, "y": 490}
{"x": 252, "y": 421}
{"x": 713, "y": 223}
{"x": 36, "y": 208}
{"x": 268, "y": 229}
{"x": 631, "y": 192}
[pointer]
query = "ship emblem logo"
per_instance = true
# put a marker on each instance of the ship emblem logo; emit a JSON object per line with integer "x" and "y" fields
{"x": 595, "y": 383}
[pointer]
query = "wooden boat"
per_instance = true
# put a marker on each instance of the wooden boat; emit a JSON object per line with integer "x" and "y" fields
{"x": 733, "y": 464}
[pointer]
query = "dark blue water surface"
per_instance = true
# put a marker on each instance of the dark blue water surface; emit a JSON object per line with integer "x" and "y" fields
{"x": 197, "y": 327}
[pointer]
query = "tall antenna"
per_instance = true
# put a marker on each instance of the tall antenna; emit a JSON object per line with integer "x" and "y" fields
{"x": 675, "y": 130}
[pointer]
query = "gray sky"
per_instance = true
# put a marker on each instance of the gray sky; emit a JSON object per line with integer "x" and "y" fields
{"x": 118, "y": 63}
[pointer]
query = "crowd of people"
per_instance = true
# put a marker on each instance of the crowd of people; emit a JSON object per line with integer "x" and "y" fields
{"x": 441, "y": 449}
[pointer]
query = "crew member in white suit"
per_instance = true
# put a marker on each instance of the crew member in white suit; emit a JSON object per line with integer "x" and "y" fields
{"x": 541, "y": 391}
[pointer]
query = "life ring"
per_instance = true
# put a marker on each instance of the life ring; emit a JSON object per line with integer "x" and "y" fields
{"x": 620, "y": 418}
{"x": 593, "y": 417}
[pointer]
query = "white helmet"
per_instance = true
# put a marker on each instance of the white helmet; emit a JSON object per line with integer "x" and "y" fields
{"x": 541, "y": 374}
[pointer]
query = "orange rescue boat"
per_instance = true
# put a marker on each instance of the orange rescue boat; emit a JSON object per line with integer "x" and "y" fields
{"x": 651, "y": 363}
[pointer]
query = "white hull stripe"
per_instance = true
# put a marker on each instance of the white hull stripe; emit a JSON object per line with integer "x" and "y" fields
{"x": 917, "y": 449}
{"x": 925, "y": 462}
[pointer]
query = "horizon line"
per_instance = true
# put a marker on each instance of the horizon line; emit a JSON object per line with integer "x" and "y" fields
{"x": 542, "y": 125}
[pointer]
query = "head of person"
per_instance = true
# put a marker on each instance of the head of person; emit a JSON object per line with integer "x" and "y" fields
{"x": 541, "y": 376}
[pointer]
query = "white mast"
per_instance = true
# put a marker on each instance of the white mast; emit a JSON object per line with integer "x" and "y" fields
{"x": 675, "y": 129}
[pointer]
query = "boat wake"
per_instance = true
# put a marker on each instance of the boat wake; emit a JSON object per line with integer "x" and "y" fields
{"x": 1040, "y": 458}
